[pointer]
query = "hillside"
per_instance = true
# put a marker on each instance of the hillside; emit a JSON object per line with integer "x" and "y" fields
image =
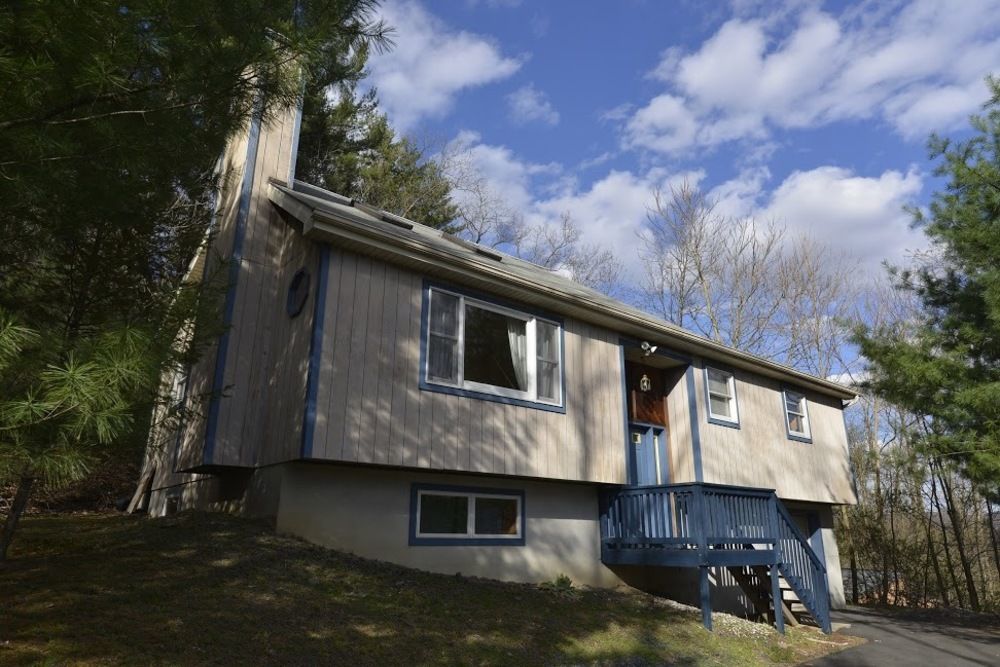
{"x": 212, "y": 589}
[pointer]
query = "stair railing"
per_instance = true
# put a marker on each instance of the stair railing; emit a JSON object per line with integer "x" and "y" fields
{"x": 800, "y": 566}
{"x": 696, "y": 517}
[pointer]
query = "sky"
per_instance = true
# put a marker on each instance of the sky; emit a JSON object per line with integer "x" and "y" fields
{"x": 811, "y": 114}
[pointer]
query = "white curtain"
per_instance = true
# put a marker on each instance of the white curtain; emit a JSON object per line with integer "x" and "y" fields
{"x": 517, "y": 337}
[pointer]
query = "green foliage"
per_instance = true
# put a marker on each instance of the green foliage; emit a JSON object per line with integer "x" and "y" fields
{"x": 55, "y": 411}
{"x": 112, "y": 118}
{"x": 949, "y": 369}
{"x": 347, "y": 146}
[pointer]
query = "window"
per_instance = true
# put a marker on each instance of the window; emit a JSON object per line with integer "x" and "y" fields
{"x": 298, "y": 292}
{"x": 796, "y": 416}
{"x": 720, "y": 387}
{"x": 481, "y": 347}
{"x": 456, "y": 515}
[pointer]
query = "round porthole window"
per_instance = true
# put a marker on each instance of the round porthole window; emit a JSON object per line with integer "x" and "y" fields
{"x": 298, "y": 292}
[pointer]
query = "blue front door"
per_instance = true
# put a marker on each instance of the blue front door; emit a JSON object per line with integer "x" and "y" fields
{"x": 645, "y": 455}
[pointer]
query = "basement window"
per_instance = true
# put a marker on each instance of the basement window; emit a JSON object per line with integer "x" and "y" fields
{"x": 492, "y": 351}
{"x": 443, "y": 515}
{"x": 720, "y": 392}
{"x": 797, "y": 416}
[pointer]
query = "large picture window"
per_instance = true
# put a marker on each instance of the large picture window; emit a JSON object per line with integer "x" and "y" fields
{"x": 457, "y": 515}
{"x": 482, "y": 347}
{"x": 797, "y": 416}
{"x": 720, "y": 390}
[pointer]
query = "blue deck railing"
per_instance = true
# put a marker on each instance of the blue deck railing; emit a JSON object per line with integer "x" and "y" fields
{"x": 704, "y": 525}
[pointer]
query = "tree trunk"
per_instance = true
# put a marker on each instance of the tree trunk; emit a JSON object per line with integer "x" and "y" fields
{"x": 883, "y": 574}
{"x": 933, "y": 555}
{"x": 963, "y": 556}
{"x": 944, "y": 539}
{"x": 895, "y": 549}
{"x": 993, "y": 535}
{"x": 16, "y": 510}
{"x": 846, "y": 519}
{"x": 854, "y": 576}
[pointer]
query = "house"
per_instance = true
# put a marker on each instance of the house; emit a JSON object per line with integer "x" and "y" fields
{"x": 390, "y": 390}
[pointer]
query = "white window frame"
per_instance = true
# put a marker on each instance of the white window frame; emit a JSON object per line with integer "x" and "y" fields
{"x": 803, "y": 403}
{"x": 734, "y": 419}
{"x": 531, "y": 335}
{"x": 470, "y": 521}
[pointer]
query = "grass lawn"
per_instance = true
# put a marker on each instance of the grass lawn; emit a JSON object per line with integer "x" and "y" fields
{"x": 213, "y": 589}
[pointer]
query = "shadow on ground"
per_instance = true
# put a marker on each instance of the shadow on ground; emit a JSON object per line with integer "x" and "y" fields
{"x": 211, "y": 589}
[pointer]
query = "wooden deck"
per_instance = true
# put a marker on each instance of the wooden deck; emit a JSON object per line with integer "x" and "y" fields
{"x": 711, "y": 525}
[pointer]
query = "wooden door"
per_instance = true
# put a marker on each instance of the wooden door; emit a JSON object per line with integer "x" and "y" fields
{"x": 647, "y": 394}
{"x": 647, "y": 415}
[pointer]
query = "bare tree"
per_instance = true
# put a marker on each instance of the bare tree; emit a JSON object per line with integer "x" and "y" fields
{"x": 487, "y": 218}
{"x": 676, "y": 252}
{"x": 819, "y": 310}
{"x": 744, "y": 282}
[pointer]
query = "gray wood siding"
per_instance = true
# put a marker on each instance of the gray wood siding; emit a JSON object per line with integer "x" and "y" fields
{"x": 370, "y": 408}
{"x": 260, "y": 413}
{"x": 679, "y": 437}
{"x": 259, "y": 304}
{"x": 760, "y": 453}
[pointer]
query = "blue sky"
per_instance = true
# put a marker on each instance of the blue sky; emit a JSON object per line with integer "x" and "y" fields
{"x": 812, "y": 114}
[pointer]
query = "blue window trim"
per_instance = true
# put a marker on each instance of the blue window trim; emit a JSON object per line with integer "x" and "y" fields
{"x": 415, "y": 541}
{"x": 426, "y": 385}
{"x": 807, "y": 439}
{"x": 315, "y": 353}
{"x": 718, "y": 421}
{"x": 235, "y": 266}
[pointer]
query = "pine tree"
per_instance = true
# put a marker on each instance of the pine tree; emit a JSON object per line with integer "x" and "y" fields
{"x": 57, "y": 406}
{"x": 347, "y": 146}
{"x": 948, "y": 370}
{"x": 112, "y": 117}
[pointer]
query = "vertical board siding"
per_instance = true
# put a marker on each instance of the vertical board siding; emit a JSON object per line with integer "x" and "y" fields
{"x": 373, "y": 410}
{"x": 679, "y": 417}
{"x": 260, "y": 411}
{"x": 760, "y": 454}
{"x": 260, "y": 416}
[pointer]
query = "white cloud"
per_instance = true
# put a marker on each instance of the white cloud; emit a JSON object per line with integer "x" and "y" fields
{"x": 856, "y": 214}
{"x": 862, "y": 216}
{"x": 506, "y": 174}
{"x": 595, "y": 161}
{"x": 739, "y": 196}
{"x": 609, "y": 213}
{"x": 665, "y": 125}
{"x": 527, "y": 104}
{"x": 918, "y": 68}
{"x": 430, "y": 64}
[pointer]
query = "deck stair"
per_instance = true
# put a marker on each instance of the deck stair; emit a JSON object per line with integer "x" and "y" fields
{"x": 703, "y": 525}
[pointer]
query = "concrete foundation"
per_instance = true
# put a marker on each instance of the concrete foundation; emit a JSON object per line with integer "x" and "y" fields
{"x": 366, "y": 511}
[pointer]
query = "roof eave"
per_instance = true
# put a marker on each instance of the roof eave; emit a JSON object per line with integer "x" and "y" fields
{"x": 358, "y": 233}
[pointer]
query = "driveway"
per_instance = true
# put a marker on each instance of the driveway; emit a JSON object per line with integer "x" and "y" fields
{"x": 912, "y": 639}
